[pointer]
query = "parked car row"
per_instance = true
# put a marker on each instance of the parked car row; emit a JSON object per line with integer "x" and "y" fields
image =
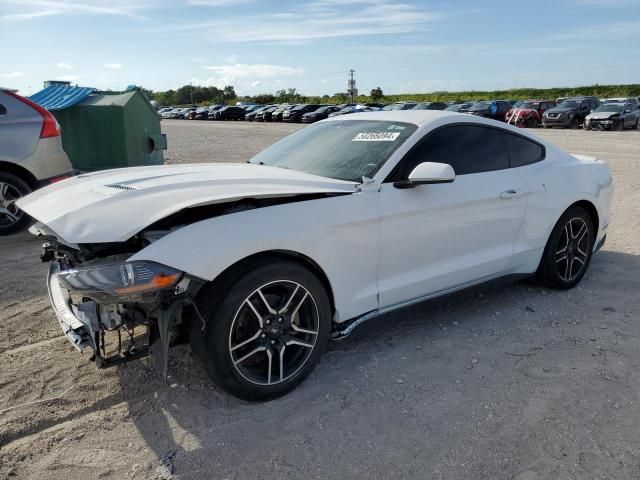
{"x": 567, "y": 112}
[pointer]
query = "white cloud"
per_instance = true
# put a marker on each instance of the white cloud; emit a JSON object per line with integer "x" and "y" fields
{"x": 604, "y": 3}
{"x": 113, "y": 66}
{"x": 316, "y": 20}
{"x": 228, "y": 74}
{"x": 603, "y": 31}
{"x": 231, "y": 59}
{"x": 256, "y": 83}
{"x": 30, "y": 9}
{"x": 68, "y": 78}
{"x": 64, "y": 66}
{"x": 216, "y": 3}
{"x": 11, "y": 75}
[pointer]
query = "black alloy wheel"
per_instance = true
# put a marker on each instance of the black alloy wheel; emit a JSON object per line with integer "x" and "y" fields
{"x": 266, "y": 328}
{"x": 568, "y": 251}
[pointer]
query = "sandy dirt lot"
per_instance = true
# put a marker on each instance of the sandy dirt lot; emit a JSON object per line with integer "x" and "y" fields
{"x": 515, "y": 383}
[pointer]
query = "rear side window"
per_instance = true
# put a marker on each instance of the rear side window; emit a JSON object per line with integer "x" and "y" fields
{"x": 524, "y": 152}
{"x": 467, "y": 148}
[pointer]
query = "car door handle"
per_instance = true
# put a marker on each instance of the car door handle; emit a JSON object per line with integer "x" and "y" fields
{"x": 511, "y": 193}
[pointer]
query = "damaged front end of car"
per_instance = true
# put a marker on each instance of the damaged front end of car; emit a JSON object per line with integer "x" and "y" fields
{"x": 120, "y": 309}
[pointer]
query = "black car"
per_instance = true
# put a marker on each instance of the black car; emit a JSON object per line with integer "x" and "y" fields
{"x": 278, "y": 114}
{"x": 319, "y": 114}
{"x": 494, "y": 109}
{"x": 430, "y": 106}
{"x": 613, "y": 116}
{"x": 570, "y": 113}
{"x": 251, "y": 116}
{"x": 295, "y": 114}
{"x": 212, "y": 111}
{"x": 230, "y": 113}
{"x": 201, "y": 114}
{"x": 399, "y": 106}
{"x": 459, "y": 107}
{"x": 265, "y": 114}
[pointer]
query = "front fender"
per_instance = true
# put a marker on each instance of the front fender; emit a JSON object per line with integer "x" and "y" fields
{"x": 338, "y": 233}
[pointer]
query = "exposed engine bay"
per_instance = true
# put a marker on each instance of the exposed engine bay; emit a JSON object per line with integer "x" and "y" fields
{"x": 122, "y": 311}
{"x": 128, "y": 310}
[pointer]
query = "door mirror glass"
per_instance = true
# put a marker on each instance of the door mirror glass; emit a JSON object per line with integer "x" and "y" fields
{"x": 426, "y": 173}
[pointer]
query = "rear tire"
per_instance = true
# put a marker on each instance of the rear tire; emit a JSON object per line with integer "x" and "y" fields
{"x": 267, "y": 326}
{"x": 12, "y": 219}
{"x": 568, "y": 251}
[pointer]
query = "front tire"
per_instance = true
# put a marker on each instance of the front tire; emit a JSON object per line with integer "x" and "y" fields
{"x": 568, "y": 251}
{"x": 266, "y": 331}
{"x": 12, "y": 219}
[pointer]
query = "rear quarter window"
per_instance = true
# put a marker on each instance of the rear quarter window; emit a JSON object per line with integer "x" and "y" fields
{"x": 524, "y": 152}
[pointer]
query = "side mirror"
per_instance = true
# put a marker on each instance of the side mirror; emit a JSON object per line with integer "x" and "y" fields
{"x": 428, "y": 173}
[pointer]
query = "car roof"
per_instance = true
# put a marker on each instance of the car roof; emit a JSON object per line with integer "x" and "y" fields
{"x": 426, "y": 117}
{"x": 417, "y": 117}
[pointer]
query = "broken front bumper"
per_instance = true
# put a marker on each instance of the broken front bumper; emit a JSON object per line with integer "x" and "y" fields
{"x": 86, "y": 323}
{"x": 74, "y": 323}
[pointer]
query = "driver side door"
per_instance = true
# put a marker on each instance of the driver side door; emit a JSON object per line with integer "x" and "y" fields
{"x": 438, "y": 237}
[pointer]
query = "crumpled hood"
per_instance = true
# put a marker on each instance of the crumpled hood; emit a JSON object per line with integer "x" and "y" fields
{"x": 601, "y": 115}
{"x": 113, "y": 205}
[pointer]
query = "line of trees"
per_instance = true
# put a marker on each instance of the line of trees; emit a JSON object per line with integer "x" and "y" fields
{"x": 190, "y": 94}
{"x": 193, "y": 94}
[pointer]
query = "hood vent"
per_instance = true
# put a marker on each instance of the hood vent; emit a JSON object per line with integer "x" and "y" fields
{"x": 119, "y": 186}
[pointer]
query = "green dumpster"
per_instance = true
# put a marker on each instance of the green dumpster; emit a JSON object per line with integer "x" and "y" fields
{"x": 112, "y": 130}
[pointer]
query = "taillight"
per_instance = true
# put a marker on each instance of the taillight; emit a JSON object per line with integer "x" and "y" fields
{"x": 50, "y": 127}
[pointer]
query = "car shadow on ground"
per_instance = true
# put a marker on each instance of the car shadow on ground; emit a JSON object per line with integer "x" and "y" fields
{"x": 434, "y": 347}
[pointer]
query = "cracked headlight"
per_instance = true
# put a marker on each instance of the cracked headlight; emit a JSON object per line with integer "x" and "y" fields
{"x": 124, "y": 279}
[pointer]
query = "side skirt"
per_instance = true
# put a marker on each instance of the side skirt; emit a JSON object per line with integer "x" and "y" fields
{"x": 342, "y": 330}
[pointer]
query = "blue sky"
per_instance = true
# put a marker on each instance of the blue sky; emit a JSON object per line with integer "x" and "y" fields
{"x": 260, "y": 46}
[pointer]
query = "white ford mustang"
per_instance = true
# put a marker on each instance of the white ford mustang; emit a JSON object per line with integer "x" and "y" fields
{"x": 259, "y": 264}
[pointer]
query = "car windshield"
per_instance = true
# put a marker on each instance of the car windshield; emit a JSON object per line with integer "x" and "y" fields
{"x": 344, "y": 149}
{"x": 299, "y": 107}
{"x": 347, "y": 110}
{"x": 528, "y": 105}
{"x": 610, "y": 107}
{"x": 569, "y": 104}
{"x": 480, "y": 106}
{"x": 323, "y": 109}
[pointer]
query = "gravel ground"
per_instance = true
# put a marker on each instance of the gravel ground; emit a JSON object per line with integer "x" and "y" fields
{"x": 514, "y": 383}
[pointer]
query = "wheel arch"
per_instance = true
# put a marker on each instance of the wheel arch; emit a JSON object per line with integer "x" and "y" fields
{"x": 591, "y": 210}
{"x": 19, "y": 172}
{"x": 241, "y": 266}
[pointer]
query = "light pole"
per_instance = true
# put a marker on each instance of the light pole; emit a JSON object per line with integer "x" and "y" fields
{"x": 351, "y": 86}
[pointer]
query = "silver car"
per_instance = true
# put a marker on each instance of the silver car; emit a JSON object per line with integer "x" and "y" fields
{"x": 31, "y": 155}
